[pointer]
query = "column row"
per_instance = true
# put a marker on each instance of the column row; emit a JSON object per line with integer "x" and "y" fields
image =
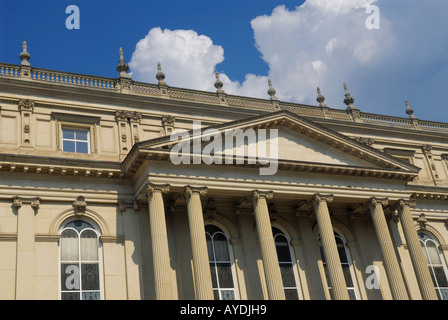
{"x": 201, "y": 268}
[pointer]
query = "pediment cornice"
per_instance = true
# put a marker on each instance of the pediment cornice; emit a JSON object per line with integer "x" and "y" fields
{"x": 383, "y": 165}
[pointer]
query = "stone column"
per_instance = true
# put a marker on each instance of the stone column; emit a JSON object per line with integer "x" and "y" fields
{"x": 387, "y": 248}
{"x": 201, "y": 264}
{"x": 335, "y": 273}
{"x": 25, "y": 270}
{"x": 268, "y": 251}
{"x": 184, "y": 255}
{"x": 424, "y": 280}
{"x": 159, "y": 241}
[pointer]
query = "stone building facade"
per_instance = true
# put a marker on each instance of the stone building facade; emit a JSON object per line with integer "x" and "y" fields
{"x": 93, "y": 205}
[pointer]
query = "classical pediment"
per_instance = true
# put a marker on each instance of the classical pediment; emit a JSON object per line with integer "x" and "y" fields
{"x": 299, "y": 144}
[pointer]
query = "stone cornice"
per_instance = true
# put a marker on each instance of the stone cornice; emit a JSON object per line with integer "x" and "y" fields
{"x": 14, "y": 163}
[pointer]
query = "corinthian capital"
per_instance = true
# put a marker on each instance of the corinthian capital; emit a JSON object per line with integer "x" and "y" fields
{"x": 374, "y": 201}
{"x": 402, "y": 203}
{"x": 190, "y": 190}
{"x": 319, "y": 197}
{"x": 162, "y": 188}
{"x": 258, "y": 194}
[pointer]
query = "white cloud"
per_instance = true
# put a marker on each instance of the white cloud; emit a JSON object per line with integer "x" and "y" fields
{"x": 320, "y": 43}
{"x": 187, "y": 59}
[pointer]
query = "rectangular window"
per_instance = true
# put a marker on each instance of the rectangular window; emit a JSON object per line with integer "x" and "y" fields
{"x": 75, "y": 140}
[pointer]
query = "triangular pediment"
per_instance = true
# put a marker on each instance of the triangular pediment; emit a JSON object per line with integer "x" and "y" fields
{"x": 301, "y": 144}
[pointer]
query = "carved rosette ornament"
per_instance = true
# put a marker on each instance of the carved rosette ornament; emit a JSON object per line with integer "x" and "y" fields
{"x": 80, "y": 205}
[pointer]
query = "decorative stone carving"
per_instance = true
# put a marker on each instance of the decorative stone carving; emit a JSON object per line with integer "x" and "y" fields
{"x": 422, "y": 221}
{"x": 210, "y": 209}
{"x": 80, "y": 205}
{"x": 33, "y": 202}
{"x": 26, "y": 105}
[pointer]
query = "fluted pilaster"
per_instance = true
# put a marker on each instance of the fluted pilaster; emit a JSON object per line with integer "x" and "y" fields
{"x": 335, "y": 273}
{"x": 268, "y": 251}
{"x": 159, "y": 241}
{"x": 391, "y": 265}
{"x": 424, "y": 280}
{"x": 201, "y": 264}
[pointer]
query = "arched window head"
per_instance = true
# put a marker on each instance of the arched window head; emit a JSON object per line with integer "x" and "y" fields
{"x": 346, "y": 264}
{"x": 286, "y": 262}
{"x": 80, "y": 267}
{"x": 436, "y": 264}
{"x": 221, "y": 264}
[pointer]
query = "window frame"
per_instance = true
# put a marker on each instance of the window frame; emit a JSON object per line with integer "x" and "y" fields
{"x": 430, "y": 265}
{"x": 231, "y": 258}
{"x": 293, "y": 261}
{"x": 76, "y": 128}
{"x": 349, "y": 262}
{"x": 94, "y": 228}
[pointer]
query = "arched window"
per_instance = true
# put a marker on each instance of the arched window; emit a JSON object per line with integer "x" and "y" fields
{"x": 346, "y": 266}
{"x": 436, "y": 264}
{"x": 286, "y": 263}
{"x": 80, "y": 267}
{"x": 221, "y": 265}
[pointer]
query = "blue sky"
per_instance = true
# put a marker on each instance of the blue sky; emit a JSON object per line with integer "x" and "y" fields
{"x": 298, "y": 44}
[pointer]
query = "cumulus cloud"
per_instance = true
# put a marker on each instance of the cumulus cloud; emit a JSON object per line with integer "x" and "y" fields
{"x": 320, "y": 43}
{"x": 187, "y": 59}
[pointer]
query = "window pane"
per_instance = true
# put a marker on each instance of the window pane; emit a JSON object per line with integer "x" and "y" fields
{"x": 211, "y": 256}
{"x": 68, "y": 134}
{"x": 69, "y": 245}
{"x": 341, "y": 250}
{"x": 68, "y": 146}
{"x": 82, "y": 147}
{"x": 213, "y": 273}
{"x": 81, "y": 135}
{"x": 79, "y": 225}
{"x": 221, "y": 247}
{"x": 69, "y": 277}
{"x": 89, "y": 246}
{"x": 291, "y": 294}
{"x": 443, "y": 294}
{"x": 352, "y": 294}
{"x": 90, "y": 296}
{"x": 287, "y": 275}
{"x": 347, "y": 275}
{"x": 224, "y": 275}
{"x": 216, "y": 294}
{"x": 440, "y": 276}
{"x": 433, "y": 252}
{"x": 90, "y": 276}
{"x": 70, "y": 296}
{"x": 227, "y": 295}
{"x": 282, "y": 247}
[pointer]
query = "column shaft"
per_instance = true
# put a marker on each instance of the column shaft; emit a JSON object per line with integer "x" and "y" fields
{"x": 268, "y": 251}
{"x": 424, "y": 280}
{"x": 159, "y": 242}
{"x": 335, "y": 273}
{"x": 391, "y": 265}
{"x": 201, "y": 264}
